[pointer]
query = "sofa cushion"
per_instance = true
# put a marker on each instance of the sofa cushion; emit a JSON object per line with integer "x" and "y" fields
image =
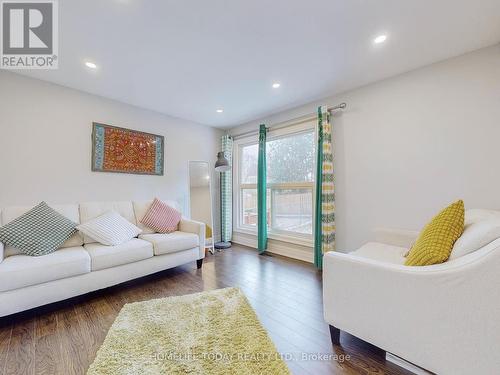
{"x": 70, "y": 211}
{"x": 140, "y": 209}
{"x": 103, "y": 256}
{"x": 19, "y": 271}
{"x": 40, "y": 231}
{"x": 161, "y": 217}
{"x": 110, "y": 229}
{"x": 475, "y": 215}
{"x": 171, "y": 242}
{"x": 476, "y": 235}
{"x": 381, "y": 252}
{"x": 91, "y": 210}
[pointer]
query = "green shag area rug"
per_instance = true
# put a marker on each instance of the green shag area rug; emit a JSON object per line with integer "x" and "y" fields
{"x": 215, "y": 332}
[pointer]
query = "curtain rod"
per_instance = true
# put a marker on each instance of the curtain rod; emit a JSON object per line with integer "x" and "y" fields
{"x": 292, "y": 121}
{"x": 339, "y": 106}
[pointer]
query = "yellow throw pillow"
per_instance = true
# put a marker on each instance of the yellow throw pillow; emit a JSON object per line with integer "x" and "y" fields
{"x": 435, "y": 242}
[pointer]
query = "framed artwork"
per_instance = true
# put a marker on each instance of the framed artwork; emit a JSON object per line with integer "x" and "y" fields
{"x": 122, "y": 150}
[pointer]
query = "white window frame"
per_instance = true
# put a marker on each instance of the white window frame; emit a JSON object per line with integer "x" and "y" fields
{"x": 275, "y": 234}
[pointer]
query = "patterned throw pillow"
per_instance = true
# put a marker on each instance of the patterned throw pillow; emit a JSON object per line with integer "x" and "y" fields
{"x": 161, "y": 217}
{"x": 110, "y": 229}
{"x": 39, "y": 231}
{"x": 435, "y": 242}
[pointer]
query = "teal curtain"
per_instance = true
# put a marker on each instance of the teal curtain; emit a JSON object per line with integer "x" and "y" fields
{"x": 262, "y": 192}
{"x": 318, "y": 255}
{"x": 324, "y": 232}
{"x": 226, "y": 183}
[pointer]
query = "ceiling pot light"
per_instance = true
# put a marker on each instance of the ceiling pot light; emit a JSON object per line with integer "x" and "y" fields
{"x": 276, "y": 85}
{"x": 220, "y": 110}
{"x": 380, "y": 39}
{"x": 90, "y": 64}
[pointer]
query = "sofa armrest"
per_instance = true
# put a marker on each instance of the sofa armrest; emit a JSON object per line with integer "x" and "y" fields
{"x": 395, "y": 237}
{"x": 196, "y": 227}
{"x": 1, "y": 252}
{"x": 401, "y": 308}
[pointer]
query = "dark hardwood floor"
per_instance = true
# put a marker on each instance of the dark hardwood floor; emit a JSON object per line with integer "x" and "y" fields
{"x": 63, "y": 338}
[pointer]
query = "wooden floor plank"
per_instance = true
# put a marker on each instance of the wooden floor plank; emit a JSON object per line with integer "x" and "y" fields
{"x": 285, "y": 294}
{"x": 93, "y": 331}
{"x": 74, "y": 342}
{"x": 21, "y": 355}
{"x": 47, "y": 346}
{"x": 5, "y": 337}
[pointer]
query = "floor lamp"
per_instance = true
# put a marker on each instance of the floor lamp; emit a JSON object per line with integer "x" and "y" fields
{"x": 221, "y": 165}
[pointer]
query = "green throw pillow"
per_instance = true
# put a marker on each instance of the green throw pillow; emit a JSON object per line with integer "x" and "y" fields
{"x": 39, "y": 231}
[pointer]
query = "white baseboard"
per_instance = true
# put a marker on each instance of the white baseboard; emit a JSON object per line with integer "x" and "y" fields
{"x": 406, "y": 365}
{"x": 289, "y": 250}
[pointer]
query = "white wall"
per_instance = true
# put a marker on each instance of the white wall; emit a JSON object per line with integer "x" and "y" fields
{"x": 45, "y": 147}
{"x": 407, "y": 146}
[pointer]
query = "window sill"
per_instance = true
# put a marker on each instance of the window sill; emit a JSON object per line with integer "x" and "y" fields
{"x": 280, "y": 237}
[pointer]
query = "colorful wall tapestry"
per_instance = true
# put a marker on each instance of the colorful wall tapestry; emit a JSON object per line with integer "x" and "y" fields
{"x": 126, "y": 151}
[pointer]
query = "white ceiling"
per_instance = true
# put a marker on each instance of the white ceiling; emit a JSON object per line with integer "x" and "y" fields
{"x": 187, "y": 58}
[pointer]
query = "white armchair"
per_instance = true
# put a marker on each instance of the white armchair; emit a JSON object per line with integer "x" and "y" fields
{"x": 444, "y": 318}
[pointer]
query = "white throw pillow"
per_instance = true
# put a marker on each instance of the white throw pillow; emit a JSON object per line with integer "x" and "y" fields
{"x": 110, "y": 229}
{"x": 475, "y": 236}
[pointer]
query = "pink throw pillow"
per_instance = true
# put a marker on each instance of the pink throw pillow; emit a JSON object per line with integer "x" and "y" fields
{"x": 161, "y": 217}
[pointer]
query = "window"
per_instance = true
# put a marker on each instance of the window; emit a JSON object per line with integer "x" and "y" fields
{"x": 290, "y": 155}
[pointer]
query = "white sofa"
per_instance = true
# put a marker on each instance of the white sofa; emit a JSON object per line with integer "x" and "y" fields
{"x": 82, "y": 265}
{"x": 444, "y": 318}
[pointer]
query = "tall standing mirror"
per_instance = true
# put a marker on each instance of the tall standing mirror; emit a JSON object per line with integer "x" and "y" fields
{"x": 200, "y": 198}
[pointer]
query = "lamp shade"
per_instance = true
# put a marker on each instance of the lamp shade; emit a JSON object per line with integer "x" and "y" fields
{"x": 221, "y": 165}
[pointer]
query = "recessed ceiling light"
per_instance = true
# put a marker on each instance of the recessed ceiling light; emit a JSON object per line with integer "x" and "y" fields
{"x": 380, "y": 39}
{"x": 90, "y": 64}
{"x": 220, "y": 110}
{"x": 276, "y": 85}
